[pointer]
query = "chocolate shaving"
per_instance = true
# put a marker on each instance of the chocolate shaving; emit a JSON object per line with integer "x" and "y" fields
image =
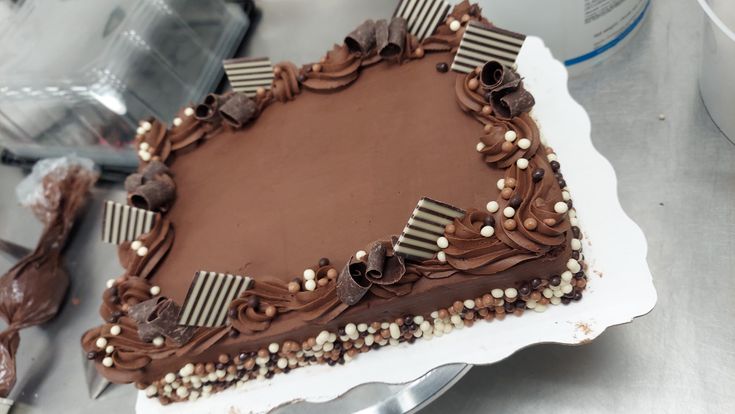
{"x": 351, "y": 282}
{"x": 507, "y": 96}
{"x": 238, "y": 110}
{"x": 393, "y": 46}
{"x": 154, "y": 194}
{"x": 362, "y": 39}
{"x": 375, "y": 261}
{"x": 158, "y": 316}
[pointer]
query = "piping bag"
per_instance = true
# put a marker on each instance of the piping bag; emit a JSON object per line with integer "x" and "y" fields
{"x": 32, "y": 291}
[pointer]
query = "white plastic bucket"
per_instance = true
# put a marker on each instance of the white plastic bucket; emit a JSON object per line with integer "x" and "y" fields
{"x": 580, "y": 33}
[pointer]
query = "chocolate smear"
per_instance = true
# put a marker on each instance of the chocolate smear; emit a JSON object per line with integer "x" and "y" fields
{"x": 351, "y": 282}
{"x": 375, "y": 261}
{"x": 393, "y": 46}
{"x": 32, "y": 291}
{"x": 158, "y": 316}
{"x": 362, "y": 39}
{"x": 238, "y": 110}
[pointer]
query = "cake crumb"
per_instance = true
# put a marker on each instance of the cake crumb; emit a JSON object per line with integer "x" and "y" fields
{"x": 584, "y": 327}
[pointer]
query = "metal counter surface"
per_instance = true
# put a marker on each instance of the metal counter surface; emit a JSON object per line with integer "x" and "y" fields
{"x": 676, "y": 180}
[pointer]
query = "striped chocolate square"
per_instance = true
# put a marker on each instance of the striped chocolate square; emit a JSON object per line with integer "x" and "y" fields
{"x": 422, "y": 16}
{"x": 248, "y": 74}
{"x": 482, "y": 44}
{"x": 424, "y": 228}
{"x": 209, "y": 297}
{"x": 125, "y": 223}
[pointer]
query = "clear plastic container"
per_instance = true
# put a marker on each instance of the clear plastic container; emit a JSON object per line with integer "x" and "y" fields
{"x": 77, "y": 75}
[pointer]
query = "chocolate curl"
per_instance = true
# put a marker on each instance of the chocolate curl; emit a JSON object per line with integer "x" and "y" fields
{"x": 362, "y": 39}
{"x": 159, "y": 316}
{"x": 513, "y": 103}
{"x": 238, "y": 110}
{"x": 32, "y": 291}
{"x": 154, "y": 169}
{"x": 395, "y": 268}
{"x": 351, "y": 283}
{"x": 154, "y": 194}
{"x": 375, "y": 261}
{"x": 133, "y": 181}
{"x": 206, "y": 110}
{"x": 494, "y": 74}
{"x": 393, "y": 45}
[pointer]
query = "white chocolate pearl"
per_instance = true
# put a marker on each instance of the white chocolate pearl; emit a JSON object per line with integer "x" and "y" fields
{"x": 140, "y": 131}
{"x": 540, "y": 308}
{"x": 565, "y": 195}
{"x": 574, "y": 221}
{"x": 273, "y": 348}
{"x": 144, "y": 155}
{"x": 360, "y": 254}
{"x": 182, "y": 392}
{"x": 547, "y": 293}
{"x": 147, "y": 126}
{"x": 142, "y": 251}
{"x": 455, "y": 25}
{"x": 310, "y": 285}
{"x": 155, "y": 290}
{"x": 469, "y": 304}
{"x": 566, "y": 276}
{"x": 555, "y": 300}
{"x": 509, "y": 212}
{"x": 309, "y": 274}
{"x": 110, "y": 283}
{"x": 487, "y": 231}
{"x": 101, "y": 343}
{"x": 524, "y": 143}
{"x": 332, "y": 337}
{"x": 497, "y": 293}
{"x": 442, "y": 242}
{"x": 189, "y": 111}
{"x": 144, "y": 146}
{"x": 321, "y": 339}
{"x": 136, "y": 244}
{"x": 510, "y": 136}
{"x": 573, "y": 266}
{"x": 501, "y": 184}
{"x": 576, "y": 244}
{"x": 395, "y": 330}
{"x": 551, "y": 157}
{"x": 110, "y": 349}
{"x": 170, "y": 377}
{"x": 561, "y": 207}
{"x": 566, "y": 289}
{"x": 363, "y": 327}
{"x": 282, "y": 363}
{"x": 510, "y": 293}
{"x": 350, "y": 329}
{"x": 177, "y": 121}
{"x": 492, "y": 206}
{"x": 522, "y": 163}
{"x": 158, "y": 341}
{"x": 151, "y": 391}
{"x": 572, "y": 213}
{"x": 107, "y": 361}
{"x": 115, "y": 330}
{"x": 441, "y": 256}
{"x": 480, "y": 146}
{"x": 186, "y": 370}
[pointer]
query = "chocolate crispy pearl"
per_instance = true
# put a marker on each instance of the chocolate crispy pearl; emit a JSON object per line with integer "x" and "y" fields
{"x": 442, "y": 67}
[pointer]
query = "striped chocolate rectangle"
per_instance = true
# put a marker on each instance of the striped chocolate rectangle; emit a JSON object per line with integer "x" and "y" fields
{"x": 125, "y": 223}
{"x": 481, "y": 44}
{"x": 422, "y": 16}
{"x": 247, "y": 74}
{"x": 209, "y": 297}
{"x": 426, "y": 225}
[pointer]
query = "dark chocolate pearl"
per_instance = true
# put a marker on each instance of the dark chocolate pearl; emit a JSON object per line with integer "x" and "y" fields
{"x": 520, "y": 304}
{"x": 341, "y": 332}
{"x": 91, "y": 355}
{"x": 286, "y": 370}
{"x": 535, "y": 283}
{"x": 579, "y": 275}
{"x": 558, "y": 175}
{"x": 575, "y": 255}
{"x": 412, "y": 339}
{"x": 269, "y": 374}
{"x": 555, "y": 280}
{"x": 509, "y": 307}
{"x": 408, "y": 320}
{"x": 576, "y": 232}
{"x": 442, "y": 67}
{"x": 537, "y": 175}
{"x": 341, "y": 360}
{"x": 565, "y": 300}
{"x": 331, "y": 362}
{"x": 233, "y": 333}
{"x": 577, "y": 295}
{"x": 253, "y": 302}
{"x": 323, "y": 262}
{"x": 220, "y": 366}
{"x": 489, "y": 221}
{"x": 562, "y": 183}
{"x": 524, "y": 290}
{"x": 570, "y": 204}
{"x": 243, "y": 356}
{"x": 555, "y": 165}
{"x": 515, "y": 201}
{"x": 337, "y": 345}
{"x": 240, "y": 373}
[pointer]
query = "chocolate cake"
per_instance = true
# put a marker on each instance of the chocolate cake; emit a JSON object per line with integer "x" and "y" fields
{"x": 395, "y": 190}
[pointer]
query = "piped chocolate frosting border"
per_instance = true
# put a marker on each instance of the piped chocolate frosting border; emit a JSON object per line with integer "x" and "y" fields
{"x": 533, "y": 218}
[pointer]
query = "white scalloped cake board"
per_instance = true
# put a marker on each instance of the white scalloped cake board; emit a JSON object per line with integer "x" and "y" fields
{"x": 620, "y": 283}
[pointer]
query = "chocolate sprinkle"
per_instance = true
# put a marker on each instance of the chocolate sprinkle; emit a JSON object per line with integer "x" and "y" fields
{"x": 362, "y": 39}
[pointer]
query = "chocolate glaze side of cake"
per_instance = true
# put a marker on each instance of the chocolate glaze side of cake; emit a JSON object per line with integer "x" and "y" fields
{"x": 343, "y": 170}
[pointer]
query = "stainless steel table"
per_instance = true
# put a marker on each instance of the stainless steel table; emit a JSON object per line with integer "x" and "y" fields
{"x": 676, "y": 179}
